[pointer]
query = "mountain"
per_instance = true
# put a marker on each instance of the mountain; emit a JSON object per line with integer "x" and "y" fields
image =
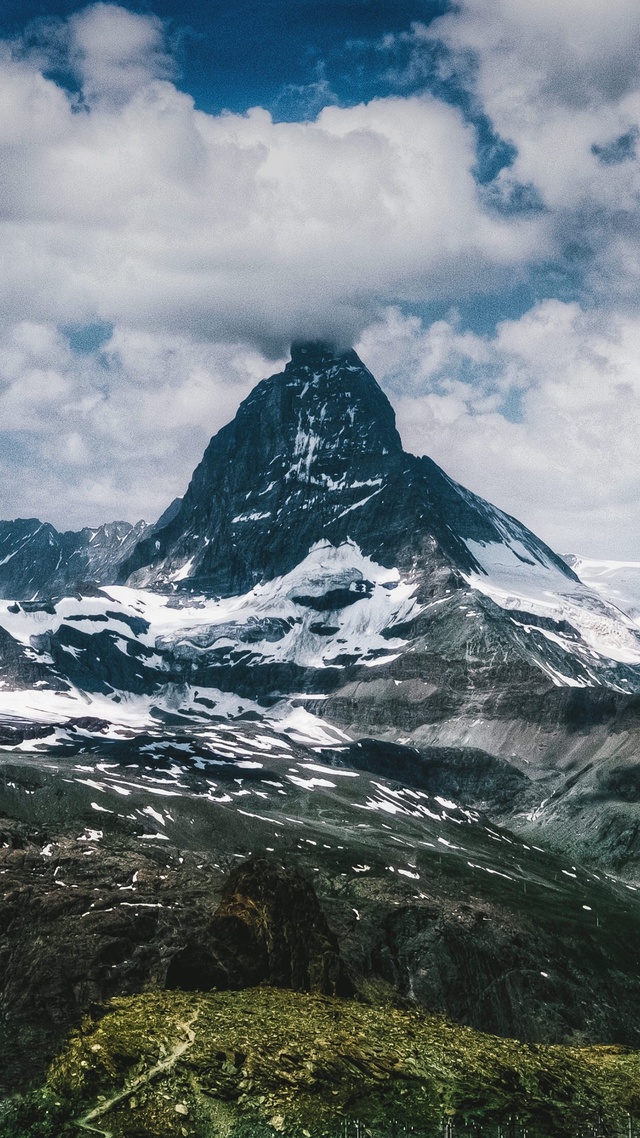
{"x": 313, "y": 461}
{"x": 312, "y": 455}
{"x": 329, "y": 654}
{"x": 37, "y": 561}
{"x": 312, "y": 562}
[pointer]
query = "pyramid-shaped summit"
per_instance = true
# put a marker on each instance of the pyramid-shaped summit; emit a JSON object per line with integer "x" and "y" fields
{"x": 313, "y": 454}
{"x": 310, "y": 425}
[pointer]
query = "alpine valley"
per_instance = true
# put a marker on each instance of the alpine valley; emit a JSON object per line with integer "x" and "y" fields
{"x": 319, "y": 801}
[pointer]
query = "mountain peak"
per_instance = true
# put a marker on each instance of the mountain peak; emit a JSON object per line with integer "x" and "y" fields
{"x": 313, "y": 455}
{"x": 307, "y": 446}
{"x": 321, "y": 355}
{"x": 325, "y": 409}
{"x": 313, "y": 353}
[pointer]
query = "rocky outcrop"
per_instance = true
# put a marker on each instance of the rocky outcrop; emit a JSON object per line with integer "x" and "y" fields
{"x": 37, "y": 560}
{"x": 268, "y": 929}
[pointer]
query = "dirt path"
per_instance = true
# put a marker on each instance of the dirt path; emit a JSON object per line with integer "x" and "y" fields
{"x": 85, "y": 1123}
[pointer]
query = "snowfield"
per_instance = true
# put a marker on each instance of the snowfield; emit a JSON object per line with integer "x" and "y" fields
{"x": 616, "y": 581}
{"x": 514, "y": 580}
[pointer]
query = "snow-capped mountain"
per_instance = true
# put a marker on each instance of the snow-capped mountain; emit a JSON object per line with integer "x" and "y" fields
{"x": 313, "y": 462}
{"x": 312, "y": 455}
{"x": 312, "y": 556}
{"x": 314, "y": 567}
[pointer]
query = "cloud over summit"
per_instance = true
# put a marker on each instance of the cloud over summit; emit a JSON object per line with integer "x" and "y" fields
{"x": 158, "y": 259}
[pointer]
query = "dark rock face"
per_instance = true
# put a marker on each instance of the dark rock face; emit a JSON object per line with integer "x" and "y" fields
{"x": 483, "y": 967}
{"x": 195, "y": 969}
{"x": 18, "y": 668}
{"x": 36, "y": 560}
{"x": 67, "y": 941}
{"x": 313, "y": 453}
{"x": 462, "y": 773}
{"x": 95, "y": 662}
{"x": 268, "y": 929}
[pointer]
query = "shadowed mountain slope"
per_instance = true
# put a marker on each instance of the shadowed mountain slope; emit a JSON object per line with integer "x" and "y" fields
{"x": 313, "y": 454}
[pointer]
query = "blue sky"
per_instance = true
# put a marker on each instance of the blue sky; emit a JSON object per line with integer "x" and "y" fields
{"x": 232, "y": 56}
{"x": 453, "y": 189}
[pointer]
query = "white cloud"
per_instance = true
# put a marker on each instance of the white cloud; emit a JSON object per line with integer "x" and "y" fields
{"x": 543, "y": 418}
{"x": 115, "y": 52}
{"x": 191, "y": 233}
{"x": 112, "y": 433}
{"x": 580, "y": 52}
{"x": 135, "y": 208}
{"x": 194, "y": 234}
{"x": 561, "y": 82}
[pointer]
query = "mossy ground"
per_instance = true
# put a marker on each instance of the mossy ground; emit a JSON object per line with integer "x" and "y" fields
{"x": 265, "y": 1062}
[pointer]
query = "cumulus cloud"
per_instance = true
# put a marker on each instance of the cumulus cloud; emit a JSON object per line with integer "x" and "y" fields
{"x": 561, "y": 82}
{"x": 115, "y": 52}
{"x": 116, "y": 432}
{"x": 541, "y": 418}
{"x": 578, "y": 53}
{"x": 132, "y": 206}
{"x": 205, "y": 243}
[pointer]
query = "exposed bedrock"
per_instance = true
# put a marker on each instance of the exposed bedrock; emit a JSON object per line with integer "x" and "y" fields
{"x": 268, "y": 929}
{"x": 560, "y": 765}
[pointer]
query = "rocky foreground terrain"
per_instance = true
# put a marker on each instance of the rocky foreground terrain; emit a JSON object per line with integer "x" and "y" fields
{"x": 149, "y": 869}
{"x": 318, "y": 802}
{"x": 266, "y": 1061}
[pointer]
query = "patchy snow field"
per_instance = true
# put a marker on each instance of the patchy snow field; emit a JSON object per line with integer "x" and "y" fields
{"x": 515, "y": 579}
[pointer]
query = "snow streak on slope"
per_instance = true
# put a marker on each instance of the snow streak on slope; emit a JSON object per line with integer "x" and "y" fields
{"x": 233, "y": 789}
{"x": 515, "y": 581}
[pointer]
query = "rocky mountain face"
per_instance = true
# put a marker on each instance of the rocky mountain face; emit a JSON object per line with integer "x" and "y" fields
{"x": 341, "y": 726}
{"x": 37, "y": 561}
{"x": 313, "y": 455}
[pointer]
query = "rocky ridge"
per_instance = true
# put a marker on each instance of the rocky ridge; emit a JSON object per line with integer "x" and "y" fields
{"x": 38, "y": 562}
{"x": 270, "y": 1062}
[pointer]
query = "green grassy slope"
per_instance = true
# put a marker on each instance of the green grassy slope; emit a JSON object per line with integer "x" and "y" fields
{"x": 264, "y": 1062}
